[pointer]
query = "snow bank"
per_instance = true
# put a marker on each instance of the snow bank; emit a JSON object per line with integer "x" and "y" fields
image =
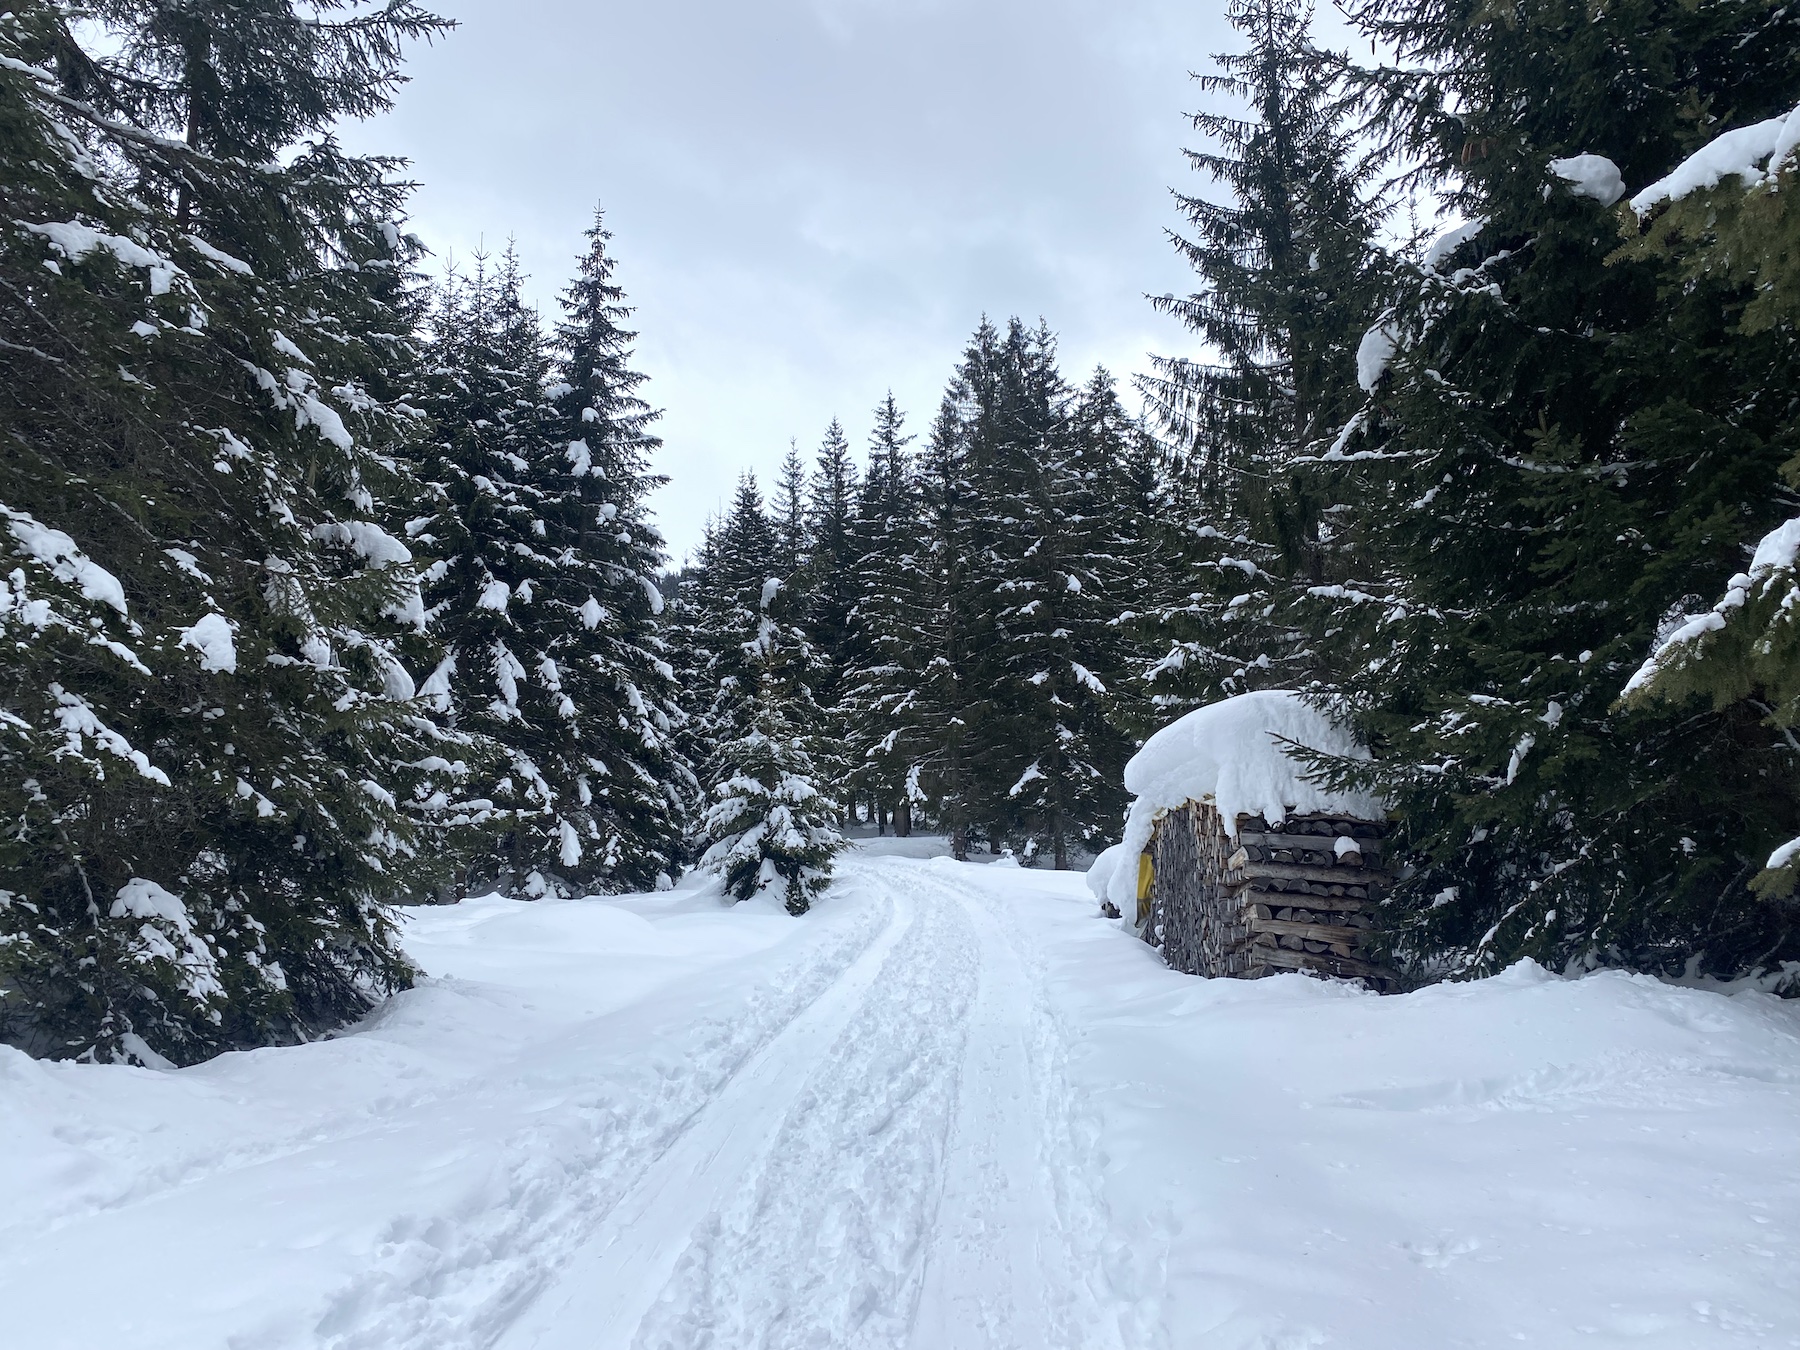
{"x": 1738, "y": 152}
{"x": 944, "y": 1064}
{"x": 406, "y": 1186}
{"x": 1100, "y": 873}
{"x": 1522, "y": 1160}
{"x": 1234, "y": 755}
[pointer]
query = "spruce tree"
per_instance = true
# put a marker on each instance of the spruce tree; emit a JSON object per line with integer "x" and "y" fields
{"x": 793, "y": 540}
{"x": 1289, "y": 278}
{"x": 833, "y": 578}
{"x": 628, "y": 695}
{"x": 830, "y": 587}
{"x": 547, "y": 597}
{"x": 1725, "y": 243}
{"x": 500, "y": 677}
{"x": 769, "y": 825}
{"x": 1048, "y": 577}
{"x": 722, "y": 600}
{"x": 767, "y": 822}
{"x": 1559, "y": 453}
{"x": 888, "y": 544}
{"x": 911, "y": 705}
{"x": 217, "y": 770}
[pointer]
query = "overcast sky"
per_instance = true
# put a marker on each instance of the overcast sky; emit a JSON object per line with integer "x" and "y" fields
{"x": 815, "y": 200}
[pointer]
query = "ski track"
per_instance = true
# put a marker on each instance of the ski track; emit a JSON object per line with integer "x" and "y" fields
{"x": 884, "y": 1177}
{"x": 1109, "y": 1294}
{"x": 461, "y": 1279}
{"x": 1017, "y": 1249}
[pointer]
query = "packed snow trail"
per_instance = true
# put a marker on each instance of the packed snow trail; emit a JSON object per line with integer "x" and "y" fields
{"x": 951, "y": 1109}
{"x": 877, "y": 1177}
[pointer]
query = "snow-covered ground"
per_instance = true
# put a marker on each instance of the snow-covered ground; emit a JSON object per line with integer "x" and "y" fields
{"x": 949, "y": 1109}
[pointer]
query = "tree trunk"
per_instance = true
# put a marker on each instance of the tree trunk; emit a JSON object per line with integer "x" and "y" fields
{"x": 880, "y": 816}
{"x": 903, "y": 818}
{"x": 959, "y": 843}
{"x": 184, "y": 199}
{"x": 1059, "y": 843}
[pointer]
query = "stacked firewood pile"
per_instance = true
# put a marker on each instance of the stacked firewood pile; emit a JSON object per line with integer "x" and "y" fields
{"x": 1299, "y": 896}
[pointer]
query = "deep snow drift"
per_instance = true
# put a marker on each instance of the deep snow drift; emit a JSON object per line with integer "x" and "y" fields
{"x": 950, "y": 1108}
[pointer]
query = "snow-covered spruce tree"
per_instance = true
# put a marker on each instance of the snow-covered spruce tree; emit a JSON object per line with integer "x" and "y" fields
{"x": 832, "y": 580}
{"x": 932, "y": 693}
{"x": 1726, "y": 232}
{"x": 767, "y": 822}
{"x": 687, "y": 641}
{"x": 482, "y": 383}
{"x": 627, "y": 689}
{"x": 888, "y": 543}
{"x": 1051, "y": 572}
{"x": 1121, "y": 495}
{"x": 1562, "y": 454}
{"x": 215, "y": 770}
{"x": 829, "y": 587}
{"x": 1289, "y": 278}
{"x": 546, "y": 597}
{"x": 721, "y": 604}
{"x": 910, "y": 708}
{"x": 793, "y": 537}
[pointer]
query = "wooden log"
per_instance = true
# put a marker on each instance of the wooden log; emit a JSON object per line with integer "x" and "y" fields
{"x": 1314, "y": 857}
{"x": 1343, "y": 874}
{"x": 1284, "y": 892}
{"x": 1313, "y": 824}
{"x": 1251, "y": 857}
{"x": 1325, "y": 965}
{"x": 1261, "y": 839}
{"x": 1318, "y": 932}
{"x": 1332, "y": 914}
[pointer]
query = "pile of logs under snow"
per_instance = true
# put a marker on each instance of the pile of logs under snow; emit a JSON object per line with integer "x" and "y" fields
{"x": 1298, "y": 896}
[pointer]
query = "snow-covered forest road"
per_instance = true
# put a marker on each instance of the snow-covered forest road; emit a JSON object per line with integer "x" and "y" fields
{"x": 881, "y": 1170}
{"x": 949, "y": 1109}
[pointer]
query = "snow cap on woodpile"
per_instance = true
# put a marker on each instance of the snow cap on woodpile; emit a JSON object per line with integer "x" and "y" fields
{"x": 1234, "y": 756}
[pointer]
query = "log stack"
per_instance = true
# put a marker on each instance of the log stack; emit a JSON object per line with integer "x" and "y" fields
{"x": 1297, "y": 896}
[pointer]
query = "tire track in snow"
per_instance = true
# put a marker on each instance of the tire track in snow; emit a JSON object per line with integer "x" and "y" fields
{"x": 460, "y": 1279}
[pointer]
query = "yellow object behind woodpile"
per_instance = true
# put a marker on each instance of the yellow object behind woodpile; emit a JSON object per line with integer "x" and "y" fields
{"x": 1146, "y": 879}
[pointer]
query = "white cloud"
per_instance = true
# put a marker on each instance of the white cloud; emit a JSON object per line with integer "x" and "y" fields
{"x": 814, "y": 200}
